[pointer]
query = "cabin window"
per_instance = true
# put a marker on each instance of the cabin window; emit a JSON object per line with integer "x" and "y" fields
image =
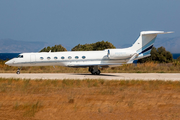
{"x": 83, "y": 57}
{"x": 76, "y": 57}
{"x": 48, "y": 58}
{"x": 55, "y": 58}
{"x": 69, "y": 57}
{"x": 41, "y": 58}
{"x": 62, "y": 57}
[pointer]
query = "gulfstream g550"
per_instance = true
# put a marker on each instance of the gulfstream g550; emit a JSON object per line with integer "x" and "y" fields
{"x": 92, "y": 59}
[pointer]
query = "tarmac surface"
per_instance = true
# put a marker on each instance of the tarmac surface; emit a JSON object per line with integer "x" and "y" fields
{"x": 106, "y": 76}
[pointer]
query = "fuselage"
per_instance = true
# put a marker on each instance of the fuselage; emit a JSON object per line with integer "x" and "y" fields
{"x": 73, "y": 58}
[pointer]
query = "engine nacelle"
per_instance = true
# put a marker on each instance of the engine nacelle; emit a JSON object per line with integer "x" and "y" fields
{"x": 119, "y": 53}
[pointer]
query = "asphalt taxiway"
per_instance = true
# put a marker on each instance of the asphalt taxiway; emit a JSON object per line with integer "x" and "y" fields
{"x": 105, "y": 76}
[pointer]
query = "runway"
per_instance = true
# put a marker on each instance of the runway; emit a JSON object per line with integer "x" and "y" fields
{"x": 105, "y": 76}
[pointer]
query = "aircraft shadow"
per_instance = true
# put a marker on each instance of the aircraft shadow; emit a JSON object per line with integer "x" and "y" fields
{"x": 98, "y": 75}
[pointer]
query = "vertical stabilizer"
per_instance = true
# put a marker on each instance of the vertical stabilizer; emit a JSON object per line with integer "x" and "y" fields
{"x": 146, "y": 41}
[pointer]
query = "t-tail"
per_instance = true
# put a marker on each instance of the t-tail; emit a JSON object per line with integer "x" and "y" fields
{"x": 144, "y": 44}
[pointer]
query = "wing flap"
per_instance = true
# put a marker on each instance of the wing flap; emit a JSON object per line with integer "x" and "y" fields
{"x": 94, "y": 64}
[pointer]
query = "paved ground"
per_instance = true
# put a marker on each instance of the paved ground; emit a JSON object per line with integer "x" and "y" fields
{"x": 107, "y": 76}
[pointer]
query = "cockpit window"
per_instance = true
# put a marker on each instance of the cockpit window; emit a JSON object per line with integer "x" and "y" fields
{"x": 20, "y": 56}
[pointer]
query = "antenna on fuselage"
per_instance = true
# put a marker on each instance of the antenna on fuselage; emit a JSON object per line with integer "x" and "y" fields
{"x": 108, "y": 53}
{"x": 49, "y": 51}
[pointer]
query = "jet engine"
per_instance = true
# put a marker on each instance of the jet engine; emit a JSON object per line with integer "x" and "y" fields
{"x": 119, "y": 54}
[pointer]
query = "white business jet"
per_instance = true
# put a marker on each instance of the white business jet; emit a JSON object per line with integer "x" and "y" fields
{"x": 92, "y": 59}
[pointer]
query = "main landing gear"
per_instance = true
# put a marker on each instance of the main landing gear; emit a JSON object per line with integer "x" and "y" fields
{"x": 94, "y": 70}
{"x": 18, "y": 71}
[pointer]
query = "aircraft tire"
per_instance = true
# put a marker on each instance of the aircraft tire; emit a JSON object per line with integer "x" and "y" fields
{"x": 18, "y": 72}
{"x": 98, "y": 72}
{"x": 93, "y": 73}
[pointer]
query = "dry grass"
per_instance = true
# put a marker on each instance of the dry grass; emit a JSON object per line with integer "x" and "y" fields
{"x": 88, "y": 99}
{"x": 150, "y": 67}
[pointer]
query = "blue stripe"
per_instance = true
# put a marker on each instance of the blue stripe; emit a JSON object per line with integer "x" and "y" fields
{"x": 145, "y": 53}
{"x": 147, "y": 45}
{"x": 147, "y": 49}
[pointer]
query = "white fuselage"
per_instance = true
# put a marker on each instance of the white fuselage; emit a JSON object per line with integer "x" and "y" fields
{"x": 109, "y": 57}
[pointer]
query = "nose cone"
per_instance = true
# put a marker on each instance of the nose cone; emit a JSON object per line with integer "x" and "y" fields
{"x": 10, "y": 62}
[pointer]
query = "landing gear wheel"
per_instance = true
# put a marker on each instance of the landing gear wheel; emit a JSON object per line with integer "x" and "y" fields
{"x": 98, "y": 72}
{"x": 18, "y": 72}
{"x": 91, "y": 69}
{"x": 94, "y": 70}
{"x": 94, "y": 73}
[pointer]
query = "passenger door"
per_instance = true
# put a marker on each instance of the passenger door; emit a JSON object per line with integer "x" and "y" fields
{"x": 32, "y": 59}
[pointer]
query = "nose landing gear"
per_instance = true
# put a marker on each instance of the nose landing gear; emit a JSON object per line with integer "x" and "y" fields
{"x": 94, "y": 70}
{"x": 18, "y": 71}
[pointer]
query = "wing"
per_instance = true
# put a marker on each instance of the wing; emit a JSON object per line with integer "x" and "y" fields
{"x": 94, "y": 64}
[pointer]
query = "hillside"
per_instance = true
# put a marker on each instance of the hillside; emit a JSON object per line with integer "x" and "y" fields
{"x": 171, "y": 44}
{"x": 15, "y": 46}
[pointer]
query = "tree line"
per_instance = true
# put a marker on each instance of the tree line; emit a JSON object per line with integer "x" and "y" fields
{"x": 159, "y": 55}
{"x": 86, "y": 47}
{"x": 56, "y": 48}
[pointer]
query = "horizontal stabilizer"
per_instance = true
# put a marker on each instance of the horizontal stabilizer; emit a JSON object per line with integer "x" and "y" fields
{"x": 154, "y": 32}
{"x": 132, "y": 58}
{"x": 142, "y": 56}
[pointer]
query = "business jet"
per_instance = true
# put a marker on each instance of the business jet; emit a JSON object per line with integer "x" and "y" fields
{"x": 92, "y": 59}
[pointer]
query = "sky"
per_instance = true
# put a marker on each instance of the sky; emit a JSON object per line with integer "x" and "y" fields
{"x": 72, "y": 22}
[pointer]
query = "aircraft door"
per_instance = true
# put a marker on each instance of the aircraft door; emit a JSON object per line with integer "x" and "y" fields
{"x": 32, "y": 58}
